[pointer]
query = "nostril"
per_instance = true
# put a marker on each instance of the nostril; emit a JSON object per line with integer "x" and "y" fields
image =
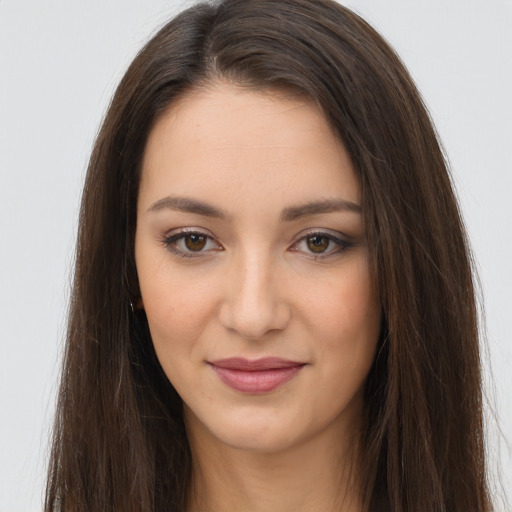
{"x": 254, "y": 319}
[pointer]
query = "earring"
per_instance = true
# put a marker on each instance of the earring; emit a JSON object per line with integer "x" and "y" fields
{"x": 131, "y": 306}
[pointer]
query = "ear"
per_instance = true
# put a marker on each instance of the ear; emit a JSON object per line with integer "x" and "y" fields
{"x": 139, "y": 304}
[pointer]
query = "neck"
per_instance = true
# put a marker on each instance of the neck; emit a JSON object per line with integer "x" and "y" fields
{"x": 312, "y": 476}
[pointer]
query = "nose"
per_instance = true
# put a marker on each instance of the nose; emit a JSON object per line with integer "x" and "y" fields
{"x": 254, "y": 303}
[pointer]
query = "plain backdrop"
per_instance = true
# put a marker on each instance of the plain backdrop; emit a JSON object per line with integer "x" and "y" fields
{"x": 59, "y": 64}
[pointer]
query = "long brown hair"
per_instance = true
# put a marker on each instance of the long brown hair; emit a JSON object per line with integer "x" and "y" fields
{"x": 119, "y": 441}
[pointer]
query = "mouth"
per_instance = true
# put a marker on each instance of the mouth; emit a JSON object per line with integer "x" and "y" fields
{"x": 256, "y": 376}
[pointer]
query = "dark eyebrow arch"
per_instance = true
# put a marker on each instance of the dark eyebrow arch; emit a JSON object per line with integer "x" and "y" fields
{"x": 187, "y": 205}
{"x": 318, "y": 207}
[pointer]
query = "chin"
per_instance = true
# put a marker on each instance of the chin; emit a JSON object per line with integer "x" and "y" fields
{"x": 255, "y": 431}
{"x": 253, "y": 440}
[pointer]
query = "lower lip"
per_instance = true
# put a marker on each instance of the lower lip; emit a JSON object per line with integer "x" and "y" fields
{"x": 259, "y": 381}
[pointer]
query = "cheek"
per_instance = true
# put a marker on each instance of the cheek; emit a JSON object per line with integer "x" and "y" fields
{"x": 344, "y": 302}
{"x": 345, "y": 317}
{"x": 178, "y": 307}
{"x": 346, "y": 331}
{"x": 173, "y": 308}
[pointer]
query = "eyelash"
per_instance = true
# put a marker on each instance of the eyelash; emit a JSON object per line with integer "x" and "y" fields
{"x": 170, "y": 243}
{"x": 341, "y": 245}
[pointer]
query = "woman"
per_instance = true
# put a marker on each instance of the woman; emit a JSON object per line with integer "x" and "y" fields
{"x": 273, "y": 305}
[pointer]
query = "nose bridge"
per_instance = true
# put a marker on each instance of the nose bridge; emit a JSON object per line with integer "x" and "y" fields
{"x": 253, "y": 303}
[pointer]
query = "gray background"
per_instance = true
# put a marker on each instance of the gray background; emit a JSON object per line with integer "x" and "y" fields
{"x": 59, "y": 64}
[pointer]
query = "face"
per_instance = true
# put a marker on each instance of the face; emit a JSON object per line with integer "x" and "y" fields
{"x": 252, "y": 263}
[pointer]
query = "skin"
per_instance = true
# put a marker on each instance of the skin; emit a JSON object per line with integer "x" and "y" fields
{"x": 258, "y": 287}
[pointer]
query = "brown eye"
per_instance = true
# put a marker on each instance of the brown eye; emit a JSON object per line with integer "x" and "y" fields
{"x": 195, "y": 242}
{"x": 192, "y": 244}
{"x": 318, "y": 243}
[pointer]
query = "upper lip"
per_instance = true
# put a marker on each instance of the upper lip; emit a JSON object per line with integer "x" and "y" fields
{"x": 254, "y": 365}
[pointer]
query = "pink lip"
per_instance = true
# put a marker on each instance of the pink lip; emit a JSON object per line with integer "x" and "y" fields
{"x": 256, "y": 376}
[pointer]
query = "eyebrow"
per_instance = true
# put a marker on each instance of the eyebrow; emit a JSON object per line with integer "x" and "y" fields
{"x": 187, "y": 205}
{"x": 319, "y": 207}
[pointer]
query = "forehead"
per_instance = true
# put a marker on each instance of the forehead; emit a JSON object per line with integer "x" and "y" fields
{"x": 236, "y": 144}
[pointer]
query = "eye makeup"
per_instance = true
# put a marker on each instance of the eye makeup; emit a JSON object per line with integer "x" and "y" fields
{"x": 315, "y": 243}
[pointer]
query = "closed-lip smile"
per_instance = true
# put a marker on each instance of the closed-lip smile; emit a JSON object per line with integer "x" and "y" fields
{"x": 255, "y": 376}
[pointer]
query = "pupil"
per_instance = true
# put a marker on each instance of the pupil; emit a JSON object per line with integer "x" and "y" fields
{"x": 195, "y": 242}
{"x": 318, "y": 243}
